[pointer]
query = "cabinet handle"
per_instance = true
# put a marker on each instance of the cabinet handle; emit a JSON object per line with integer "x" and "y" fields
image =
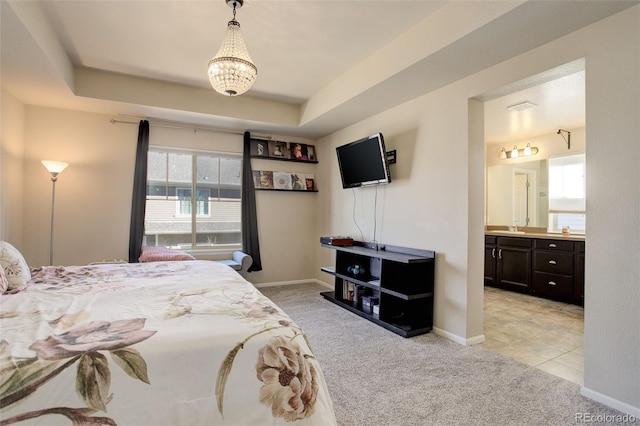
{"x": 552, "y": 262}
{"x": 552, "y": 283}
{"x": 499, "y": 253}
{"x": 493, "y": 252}
{"x": 552, "y": 245}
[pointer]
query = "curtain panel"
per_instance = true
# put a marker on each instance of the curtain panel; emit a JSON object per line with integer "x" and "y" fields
{"x": 250, "y": 243}
{"x": 138, "y": 199}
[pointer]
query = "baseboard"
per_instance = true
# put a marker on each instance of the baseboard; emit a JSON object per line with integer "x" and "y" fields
{"x": 280, "y": 283}
{"x": 475, "y": 340}
{"x": 611, "y": 402}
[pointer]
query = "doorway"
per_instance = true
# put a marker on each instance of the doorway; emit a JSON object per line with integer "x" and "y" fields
{"x": 539, "y": 332}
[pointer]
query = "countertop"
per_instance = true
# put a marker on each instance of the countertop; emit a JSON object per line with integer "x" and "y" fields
{"x": 521, "y": 234}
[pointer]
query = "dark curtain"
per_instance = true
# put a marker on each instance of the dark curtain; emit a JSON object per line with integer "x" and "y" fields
{"x": 138, "y": 200}
{"x": 250, "y": 244}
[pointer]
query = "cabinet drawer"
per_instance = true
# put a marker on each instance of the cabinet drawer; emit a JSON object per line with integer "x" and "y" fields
{"x": 553, "y": 245}
{"x": 490, "y": 240}
{"x": 557, "y": 285}
{"x": 514, "y": 242}
{"x": 556, "y": 263}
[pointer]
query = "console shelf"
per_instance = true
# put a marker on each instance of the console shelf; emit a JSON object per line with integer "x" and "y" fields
{"x": 399, "y": 280}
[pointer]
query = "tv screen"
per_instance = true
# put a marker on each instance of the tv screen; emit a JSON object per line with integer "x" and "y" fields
{"x": 363, "y": 162}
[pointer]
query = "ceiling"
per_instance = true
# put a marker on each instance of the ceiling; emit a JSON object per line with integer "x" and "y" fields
{"x": 322, "y": 65}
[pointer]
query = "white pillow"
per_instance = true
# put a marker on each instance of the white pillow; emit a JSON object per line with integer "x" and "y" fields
{"x": 15, "y": 267}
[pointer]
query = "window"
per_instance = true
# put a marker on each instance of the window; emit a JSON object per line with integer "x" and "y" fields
{"x": 193, "y": 199}
{"x": 567, "y": 199}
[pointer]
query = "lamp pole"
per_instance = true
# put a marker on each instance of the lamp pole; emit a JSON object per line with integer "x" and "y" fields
{"x": 55, "y": 168}
{"x": 54, "y": 178}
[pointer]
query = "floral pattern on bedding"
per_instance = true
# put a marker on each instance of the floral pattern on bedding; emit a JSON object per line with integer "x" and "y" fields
{"x": 93, "y": 277}
{"x": 177, "y": 306}
{"x": 81, "y": 344}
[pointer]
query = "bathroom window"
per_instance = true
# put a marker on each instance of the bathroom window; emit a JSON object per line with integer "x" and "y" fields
{"x": 567, "y": 198}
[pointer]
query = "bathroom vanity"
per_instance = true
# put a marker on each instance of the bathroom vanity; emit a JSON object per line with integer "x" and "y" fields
{"x": 540, "y": 264}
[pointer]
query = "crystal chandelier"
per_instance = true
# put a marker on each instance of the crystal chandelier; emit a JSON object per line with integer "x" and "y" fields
{"x": 231, "y": 71}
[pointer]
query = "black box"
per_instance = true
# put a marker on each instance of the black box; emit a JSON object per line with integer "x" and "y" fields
{"x": 368, "y": 302}
{"x": 337, "y": 241}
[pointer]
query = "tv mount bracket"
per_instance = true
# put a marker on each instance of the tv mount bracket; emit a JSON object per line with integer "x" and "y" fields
{"x": 391, "y": 157}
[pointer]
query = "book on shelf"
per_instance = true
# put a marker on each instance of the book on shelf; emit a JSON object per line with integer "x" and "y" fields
{"x": 359, "y": 292}
{"x": 347, "y": 290}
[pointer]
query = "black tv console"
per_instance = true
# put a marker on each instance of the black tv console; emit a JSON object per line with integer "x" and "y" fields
{"x": 399, "y": 280}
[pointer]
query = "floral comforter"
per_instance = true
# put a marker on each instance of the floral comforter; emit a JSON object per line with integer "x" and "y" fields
{"x": 160, "y": 343}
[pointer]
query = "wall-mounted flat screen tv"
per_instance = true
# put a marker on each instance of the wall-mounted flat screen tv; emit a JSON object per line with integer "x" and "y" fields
{"x": 364, "y": 162}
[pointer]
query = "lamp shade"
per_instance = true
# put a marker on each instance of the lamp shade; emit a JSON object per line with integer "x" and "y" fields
{"x": 231, "y": 71}
{"x": 514, "y": 152}
{"x": 54, "y": 167}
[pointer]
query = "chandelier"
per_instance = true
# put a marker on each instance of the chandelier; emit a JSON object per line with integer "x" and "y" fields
{"x": 231, "y": 71}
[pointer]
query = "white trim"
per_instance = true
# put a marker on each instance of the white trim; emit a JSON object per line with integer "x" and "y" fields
{"x": 476, "y": 340}
{"x": 610, "y": 402}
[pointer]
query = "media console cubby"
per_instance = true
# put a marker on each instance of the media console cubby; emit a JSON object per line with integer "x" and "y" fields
{"x": 400, "y": 278}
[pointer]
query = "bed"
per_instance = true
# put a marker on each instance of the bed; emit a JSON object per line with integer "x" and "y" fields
{"x": 158, "y": 343}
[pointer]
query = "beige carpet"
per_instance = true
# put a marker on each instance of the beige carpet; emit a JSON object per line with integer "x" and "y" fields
{"x": 378, "y": 378}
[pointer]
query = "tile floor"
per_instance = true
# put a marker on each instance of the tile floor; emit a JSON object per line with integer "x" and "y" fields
{"x": 539, "y": 332}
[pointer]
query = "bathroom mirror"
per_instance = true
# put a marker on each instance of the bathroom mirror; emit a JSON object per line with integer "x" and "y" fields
{"x": 517, "y": 194}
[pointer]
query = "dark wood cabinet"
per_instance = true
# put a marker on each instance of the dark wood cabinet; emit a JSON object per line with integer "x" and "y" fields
{"x": 544, "y": 267}
{"x": 579, "y": 272}
{"x": 508, "y": 262}
{"x": 490, "y": 259}
{"x": 391, "y": 286}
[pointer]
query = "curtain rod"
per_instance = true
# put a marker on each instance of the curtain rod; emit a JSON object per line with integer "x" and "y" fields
{"x": 173, "y": 125}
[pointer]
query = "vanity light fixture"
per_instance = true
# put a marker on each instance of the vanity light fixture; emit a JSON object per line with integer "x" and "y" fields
{"x": 527, "y": 151}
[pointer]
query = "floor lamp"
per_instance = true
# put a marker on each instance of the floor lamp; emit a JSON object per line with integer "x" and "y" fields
{"x": 55, "y": 168}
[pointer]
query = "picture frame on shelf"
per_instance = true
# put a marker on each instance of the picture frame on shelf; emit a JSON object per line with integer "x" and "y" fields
{"x": 311, "y": 152}
{"x": 278, "y": 149}
{"x": 263, "y": 179}
{"x": 298, "y": 182}
{"x": 284, "y": 181}
{"x": 310, "y": 182}
{"x": 298, "y": 151}
{"x": 259, "y": 148}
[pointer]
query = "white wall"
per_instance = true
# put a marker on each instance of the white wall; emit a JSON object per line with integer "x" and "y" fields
{"x": 11, "y": 171}
{"x": 93, "y": 195}
{"x": 612, "y": 293}
{"x": 431, "y": 205}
